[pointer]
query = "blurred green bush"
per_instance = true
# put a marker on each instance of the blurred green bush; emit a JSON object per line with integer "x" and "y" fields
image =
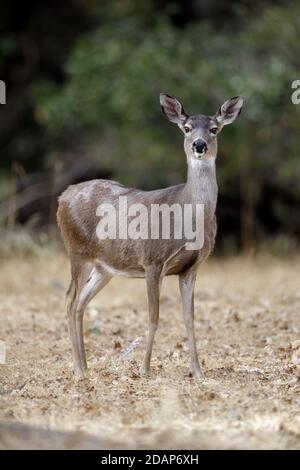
{"x": 115, "y": 74}
{"x": 109, "y": 104}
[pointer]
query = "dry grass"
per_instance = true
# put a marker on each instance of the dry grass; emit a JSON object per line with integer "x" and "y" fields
{"x": 247, "y": 322}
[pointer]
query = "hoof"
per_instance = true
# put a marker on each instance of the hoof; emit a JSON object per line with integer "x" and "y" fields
{"x": 79, "y": 373}
{"x": 144, "y": 371}
{"x": 196, "y": 373}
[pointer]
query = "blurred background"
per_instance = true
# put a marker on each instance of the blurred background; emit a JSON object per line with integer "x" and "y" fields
{"x": 82, "y": 82}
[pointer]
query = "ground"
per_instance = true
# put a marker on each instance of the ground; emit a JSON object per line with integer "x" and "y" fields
{"x": 248, "y": 336}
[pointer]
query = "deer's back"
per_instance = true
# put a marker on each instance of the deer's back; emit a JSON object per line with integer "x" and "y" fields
{"x": 77, "y": 219}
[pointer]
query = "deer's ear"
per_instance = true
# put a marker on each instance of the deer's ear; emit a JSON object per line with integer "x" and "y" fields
{"x": 229, "y": 110}
{"x": 172, "y": 108}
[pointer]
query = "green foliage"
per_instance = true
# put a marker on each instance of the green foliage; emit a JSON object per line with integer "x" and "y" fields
{"x": 115, "y": 73}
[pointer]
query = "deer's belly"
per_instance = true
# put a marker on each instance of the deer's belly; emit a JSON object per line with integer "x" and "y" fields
{"x": 126, "y": 271}
{"x": 172, "y": 261}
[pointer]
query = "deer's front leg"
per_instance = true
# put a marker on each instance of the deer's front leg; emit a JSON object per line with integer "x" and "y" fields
{"x": 153, "y": 278}
{"x": 187, "y": 284}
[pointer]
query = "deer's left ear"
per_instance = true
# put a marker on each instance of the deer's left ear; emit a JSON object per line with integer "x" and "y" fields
{"x": 229, "y": 110}
{"x": 172, "y": 108}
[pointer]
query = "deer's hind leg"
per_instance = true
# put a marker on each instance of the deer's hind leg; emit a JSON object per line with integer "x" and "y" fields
{"x": 87, "y": 281}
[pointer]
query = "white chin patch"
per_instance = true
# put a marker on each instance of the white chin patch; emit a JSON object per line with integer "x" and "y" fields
{"x": 198, "y": 155}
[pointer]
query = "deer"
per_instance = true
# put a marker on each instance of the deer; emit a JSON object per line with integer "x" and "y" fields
{"x": 94, "y": 262}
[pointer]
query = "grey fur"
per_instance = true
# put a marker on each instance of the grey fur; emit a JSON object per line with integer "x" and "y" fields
{"x": 94, "y": 261}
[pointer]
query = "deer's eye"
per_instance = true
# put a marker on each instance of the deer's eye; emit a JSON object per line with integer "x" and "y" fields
{"x": 213, "y": 130}
{"x": 187, "y": 129}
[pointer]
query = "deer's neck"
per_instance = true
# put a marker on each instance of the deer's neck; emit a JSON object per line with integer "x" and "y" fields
{"x": 201, "y": 185}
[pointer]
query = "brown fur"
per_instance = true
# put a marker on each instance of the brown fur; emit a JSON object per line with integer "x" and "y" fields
{"x": 95, "y": 261}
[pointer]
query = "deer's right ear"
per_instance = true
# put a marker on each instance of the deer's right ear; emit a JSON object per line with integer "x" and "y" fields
{"x": 230, "y": 110}
{"x": 172, "y": 108}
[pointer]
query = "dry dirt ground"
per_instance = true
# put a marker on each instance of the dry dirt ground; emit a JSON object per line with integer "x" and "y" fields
{"x": 248, "y": 335}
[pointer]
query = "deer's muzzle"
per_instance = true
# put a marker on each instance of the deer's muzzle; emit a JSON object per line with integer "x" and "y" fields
{"x": 200, "y": 146}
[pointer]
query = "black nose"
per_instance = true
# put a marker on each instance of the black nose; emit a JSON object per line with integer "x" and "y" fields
{"x": 200, "y": 146}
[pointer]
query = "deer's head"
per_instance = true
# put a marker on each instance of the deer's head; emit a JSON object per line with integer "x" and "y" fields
{"x": 200, "y": 131}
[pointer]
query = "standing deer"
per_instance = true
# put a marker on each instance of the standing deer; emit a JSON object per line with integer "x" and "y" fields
{"x": 94, "y": 262}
